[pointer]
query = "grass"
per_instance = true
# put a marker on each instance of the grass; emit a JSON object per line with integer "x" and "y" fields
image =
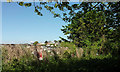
{"x": 109, "y": 64}
{"x": 67, "y": 63}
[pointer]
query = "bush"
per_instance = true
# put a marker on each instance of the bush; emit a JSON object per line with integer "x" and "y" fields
{"x": 86, "y": 64}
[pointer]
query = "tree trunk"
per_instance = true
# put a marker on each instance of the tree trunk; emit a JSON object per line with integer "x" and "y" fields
{"x": 77, "y": 53}
{"x": 36, "y": 52}
{"x": 102, "y": 44}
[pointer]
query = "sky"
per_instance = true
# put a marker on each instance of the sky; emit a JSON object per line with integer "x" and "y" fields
{"x": 22, "y": 25}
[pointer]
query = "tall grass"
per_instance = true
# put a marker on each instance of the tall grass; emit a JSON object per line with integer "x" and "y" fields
{"x": 66, "y": 63}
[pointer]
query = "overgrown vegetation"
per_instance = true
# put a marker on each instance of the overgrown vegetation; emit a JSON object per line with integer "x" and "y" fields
{"x": 86, "y": 64}
{"x": 68, "y": 63}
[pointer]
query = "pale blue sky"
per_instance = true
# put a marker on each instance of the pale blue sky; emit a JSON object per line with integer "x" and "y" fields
{"x": 22, "y": 25}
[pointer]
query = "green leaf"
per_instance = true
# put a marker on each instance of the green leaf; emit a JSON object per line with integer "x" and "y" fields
{"x": 56, "y": 5}
{"x": 36, "y": 10}
{"x": 64, "y": 14}
{"x": 21, "y": 3}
